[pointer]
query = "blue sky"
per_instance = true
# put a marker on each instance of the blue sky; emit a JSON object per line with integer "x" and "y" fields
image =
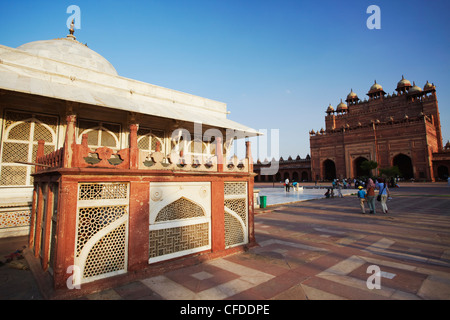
{"x": 277, "y": 64}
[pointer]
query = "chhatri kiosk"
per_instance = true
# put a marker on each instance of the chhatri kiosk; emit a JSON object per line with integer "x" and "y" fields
{"x": 119, "y": 176}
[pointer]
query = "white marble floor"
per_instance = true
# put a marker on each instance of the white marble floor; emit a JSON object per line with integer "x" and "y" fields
{"x": 279, "y": 195}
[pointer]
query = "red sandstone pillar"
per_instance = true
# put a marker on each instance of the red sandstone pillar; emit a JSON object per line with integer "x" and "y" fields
{"x": 66, "y": 232}
{"x": 217, "y": 216}
{"x": 134, "y": 150}
{"x": 33, "y": 218}
{"x": 47, "y": 228}
{"x": 251, "y": 229}
{"x": 251, "y": 211}
{"x": 70, "y": 141}
{"x": 138, "y": 226}
{"x": 37, "y": 233}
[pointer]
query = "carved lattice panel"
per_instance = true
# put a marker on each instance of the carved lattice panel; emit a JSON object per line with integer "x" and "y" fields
{"x": 180, "y": 209}
{"x": 97, "y": 191}
{"x": 236, "y": 213}
{"x": 172, "y": 240}
{"x": 102, "y": 229}
{"x": 93, "y": 219}
{"x": 180, "y": 219}
{"x": 100, "y": 134}
{"x": 21, "y": 133}
{"x": 238, "y": 206}
{"x": 108, "y": 254}
{"x": 234, "y": 233}
{"x": 42, "y": 133}
{"x": 15, "y": 151}
{"x": 235, "y": 188}
{"x": 148, "y": 139}
{"x": 13, "y": 175}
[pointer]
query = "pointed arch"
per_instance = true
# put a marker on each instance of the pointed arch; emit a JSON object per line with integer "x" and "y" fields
{"x": 404, "y": 164}
{"x": 329, "y": 169}
{"x": 357, "y": 170}
{"x": 180, "y": 209}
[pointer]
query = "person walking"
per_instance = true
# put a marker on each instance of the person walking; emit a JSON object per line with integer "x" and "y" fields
{"x": 362, "y": 198}
{"x": 286, "y": 182}
{"x": 370, "y": 195}
{"x": 339, "y": 186}
{"x": 383, "y": 194}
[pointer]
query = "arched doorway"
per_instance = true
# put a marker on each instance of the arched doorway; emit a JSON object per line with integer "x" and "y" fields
{"x": 329, "y": 170}
{"x": 357, "y": 170}
{"x": 304, "y": 176}
{"x": 278, "y": 177}
{"x": 295, "y": 176}
{"x": 286, "y": 176}
{"x": 442, "y": 172}
{"x": 404, "y": 164}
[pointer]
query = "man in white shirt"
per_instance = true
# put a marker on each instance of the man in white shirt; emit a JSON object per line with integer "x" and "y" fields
{"x": 286, "y": 182}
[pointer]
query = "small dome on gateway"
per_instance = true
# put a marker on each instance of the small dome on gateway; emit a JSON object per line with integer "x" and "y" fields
{"x": 415, "y": 89}
{"x": 403, "y": 84}
{"x": 330, "y": 109}
{"x": 429, "y": 86}
{"x": 352, "y": 95}
{"x": 341, "y": 107}
{"x": 376, "y": 87}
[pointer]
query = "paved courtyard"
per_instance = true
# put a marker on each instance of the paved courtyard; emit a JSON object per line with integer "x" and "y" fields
{"x": 321, "y": 249}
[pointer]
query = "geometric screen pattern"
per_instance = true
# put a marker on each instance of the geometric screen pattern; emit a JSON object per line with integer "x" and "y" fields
{"x": 21, "y": 133}
{"x": 97, "y": 191}
{"x": 236, "y": 213}
{"x": 180, "y": 209}
{"x": 93, "y": 219}
{"x": 170, "y": 240}
{"x": 233, "y": 230}
{"x": 180, "y": 220}
{"x": 106, "y": 252}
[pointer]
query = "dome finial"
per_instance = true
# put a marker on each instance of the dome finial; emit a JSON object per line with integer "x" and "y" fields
{"x": 72, "y": 30}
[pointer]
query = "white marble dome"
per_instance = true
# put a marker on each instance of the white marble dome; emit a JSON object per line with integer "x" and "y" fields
{"x": 71, "y": 52}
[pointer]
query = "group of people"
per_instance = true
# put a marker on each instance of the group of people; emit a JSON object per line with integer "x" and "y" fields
{"x": 368, "y": 195}
{"x": 288, "y": 185}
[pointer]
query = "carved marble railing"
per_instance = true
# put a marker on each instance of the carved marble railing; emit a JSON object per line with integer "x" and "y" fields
{"x": 236, "y": 165}
{"x": 102, "y": 157}
{"x": 158, "y": 161}
{"x": 74, "y": 155}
